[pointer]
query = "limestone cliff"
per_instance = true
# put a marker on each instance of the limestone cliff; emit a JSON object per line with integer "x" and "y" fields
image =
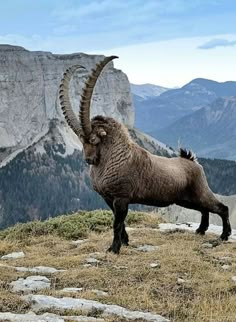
{"x": 29, "y": 83}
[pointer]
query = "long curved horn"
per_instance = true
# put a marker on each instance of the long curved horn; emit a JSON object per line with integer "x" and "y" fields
{"x": 87, "y": 93}
{"x": 65, "y": 100}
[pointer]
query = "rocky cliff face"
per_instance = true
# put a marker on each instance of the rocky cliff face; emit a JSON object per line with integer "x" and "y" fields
{"x": 29, "y": 93}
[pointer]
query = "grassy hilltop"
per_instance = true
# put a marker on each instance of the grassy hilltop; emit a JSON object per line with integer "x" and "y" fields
{"x": 189, "y": 285}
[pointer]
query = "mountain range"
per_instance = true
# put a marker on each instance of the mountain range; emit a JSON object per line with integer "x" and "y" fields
{"x": 210, "y": 131}
{"x": 200, "y": 115}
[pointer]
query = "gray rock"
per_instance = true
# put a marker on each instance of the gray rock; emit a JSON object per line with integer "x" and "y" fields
{"x": 82, "y": 319}
{"x": 192, "y": 226}
{"x": 40, "y": 269}
{"x": 92, "y": 261}
{"x": 79, "y": 242}
{"x": 215, "y": 242}
{"x": 29, "y": 284}
{"x": 30, "y": 317}
{"x": 14, "y": 255}
{"x": 181, "y": 281}
{"x": 46, "y": 317}
{"x": 234, "y": 279}
{"x": 207, "y": 245}
{"x": 147, "y": 248}
{"x": 72, "y": 289}
{"x": 37, "y": 269}
{"x": 100, "y": 293}
{"x": 226, "y": 267}
{"x": 95, "y": 254}
{"x": 155, "y": 265}
{"x": 42, "y": 302}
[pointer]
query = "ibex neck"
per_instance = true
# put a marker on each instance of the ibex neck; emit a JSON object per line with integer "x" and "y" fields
{"x": 116, "y": 151}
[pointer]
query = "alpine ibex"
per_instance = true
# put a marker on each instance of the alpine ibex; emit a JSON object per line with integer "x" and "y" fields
{"x": 123, "y": 173}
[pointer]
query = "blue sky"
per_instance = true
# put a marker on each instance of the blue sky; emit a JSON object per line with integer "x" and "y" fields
{"x": 167, "y": 42}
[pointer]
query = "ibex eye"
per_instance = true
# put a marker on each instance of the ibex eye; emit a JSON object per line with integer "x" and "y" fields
{"x": 92, "y": 140}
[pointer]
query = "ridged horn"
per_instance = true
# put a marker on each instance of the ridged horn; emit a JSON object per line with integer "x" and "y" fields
{"x": 65, "y": 100}
{"x": 87, "y": 93}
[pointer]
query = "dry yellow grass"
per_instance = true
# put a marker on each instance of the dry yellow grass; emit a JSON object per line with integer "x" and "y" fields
{"x": 207, "y": 294}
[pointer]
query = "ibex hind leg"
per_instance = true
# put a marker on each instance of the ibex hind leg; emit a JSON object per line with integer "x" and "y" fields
{"x": 204, "y": 211}
{"x": 223, "y": 211}
{"x": 204, "y": 223}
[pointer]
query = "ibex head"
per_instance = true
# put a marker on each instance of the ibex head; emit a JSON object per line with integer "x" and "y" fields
{"x": 90, "y": 133}
{"x": 91, "y": 145}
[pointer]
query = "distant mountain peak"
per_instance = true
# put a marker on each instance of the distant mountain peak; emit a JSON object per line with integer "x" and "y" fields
{"x": 219, "y": 88}
{"x": 203, "y": 80}
{"x": 147, "y": 90}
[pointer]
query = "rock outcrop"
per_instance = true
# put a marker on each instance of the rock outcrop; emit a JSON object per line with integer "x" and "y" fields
{"x": 29, "y": 82}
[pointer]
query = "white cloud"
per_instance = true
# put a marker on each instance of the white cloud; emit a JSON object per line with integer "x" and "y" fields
{"x": 213, "y": 43}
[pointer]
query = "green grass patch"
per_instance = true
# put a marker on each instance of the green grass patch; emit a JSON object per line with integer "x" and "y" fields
{"x": 73, "y": 226}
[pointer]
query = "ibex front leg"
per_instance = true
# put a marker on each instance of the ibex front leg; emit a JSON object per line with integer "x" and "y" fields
{"x": 120, "y": 207}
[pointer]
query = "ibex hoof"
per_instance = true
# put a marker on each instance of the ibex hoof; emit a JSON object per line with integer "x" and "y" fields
{"x": 200, "y": 232}
{"x": 113, "y": 249}
{"x": 224, "y": 236}
{"x": 226, "y": 233}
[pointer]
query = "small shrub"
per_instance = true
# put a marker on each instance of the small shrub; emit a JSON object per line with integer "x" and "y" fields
{"x": 72, "y": 230}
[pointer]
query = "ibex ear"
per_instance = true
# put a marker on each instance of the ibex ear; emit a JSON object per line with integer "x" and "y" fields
{"x": 102, "y": 132}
